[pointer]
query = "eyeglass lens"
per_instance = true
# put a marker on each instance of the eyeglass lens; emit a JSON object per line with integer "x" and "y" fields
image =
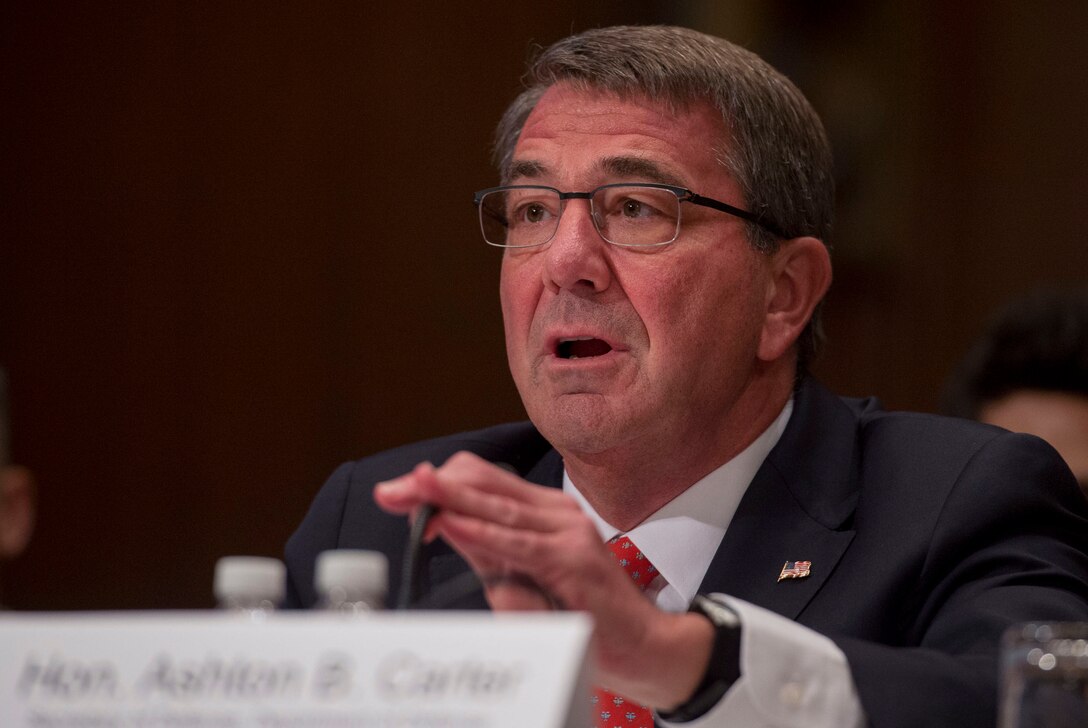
{"x": 633, "y": 216}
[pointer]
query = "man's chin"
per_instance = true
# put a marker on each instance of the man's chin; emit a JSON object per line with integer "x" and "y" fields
{"x": 580, "y": 424}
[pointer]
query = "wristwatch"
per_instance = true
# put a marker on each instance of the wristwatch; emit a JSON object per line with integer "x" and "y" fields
{"x": 724, "y": 667}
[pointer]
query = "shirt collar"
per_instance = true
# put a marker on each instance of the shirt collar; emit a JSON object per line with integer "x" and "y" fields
{"x": 680, "y": 539}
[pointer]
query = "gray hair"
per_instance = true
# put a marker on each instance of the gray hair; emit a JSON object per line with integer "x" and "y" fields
{"x": 777, "y": 149}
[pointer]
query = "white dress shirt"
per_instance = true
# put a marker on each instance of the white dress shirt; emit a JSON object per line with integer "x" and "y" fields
{"x": 791, "y": 676}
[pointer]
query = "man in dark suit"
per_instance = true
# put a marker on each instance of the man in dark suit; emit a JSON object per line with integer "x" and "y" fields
{"x": 665, "y": 205}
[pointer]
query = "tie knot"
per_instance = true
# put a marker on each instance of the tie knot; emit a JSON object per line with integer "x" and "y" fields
{"x": 637, "y": 566}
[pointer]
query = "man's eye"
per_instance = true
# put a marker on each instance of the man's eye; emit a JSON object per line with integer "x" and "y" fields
{"x": 634, "y": 208}
{"x": 530, "y": 212}
{"x": 535, "y": 213}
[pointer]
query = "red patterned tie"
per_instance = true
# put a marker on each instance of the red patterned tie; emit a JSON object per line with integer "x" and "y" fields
{"x": 613, "y": 711}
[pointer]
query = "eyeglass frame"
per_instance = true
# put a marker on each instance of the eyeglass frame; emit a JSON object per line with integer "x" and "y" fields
{"x": 683, "y": 194}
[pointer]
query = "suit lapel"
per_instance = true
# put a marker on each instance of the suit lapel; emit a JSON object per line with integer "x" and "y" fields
{"x": 798, "y": 508}
{"x": 547, "y": 471}
{"x": 768, "y": 530}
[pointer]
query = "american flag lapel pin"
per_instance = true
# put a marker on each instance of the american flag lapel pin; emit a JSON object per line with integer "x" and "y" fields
{"x": 795, "y": 570}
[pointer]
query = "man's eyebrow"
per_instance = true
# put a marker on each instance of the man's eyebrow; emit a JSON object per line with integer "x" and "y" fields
{"x": 525, "y": 168}
{"x": 630, "y": 168}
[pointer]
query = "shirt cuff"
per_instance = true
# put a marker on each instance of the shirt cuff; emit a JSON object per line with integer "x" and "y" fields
{"x": 791, "y": 677}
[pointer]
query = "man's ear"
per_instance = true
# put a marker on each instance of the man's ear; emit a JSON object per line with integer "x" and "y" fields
{"x": 16, "y": 510}
{"x": 801, "y": 275}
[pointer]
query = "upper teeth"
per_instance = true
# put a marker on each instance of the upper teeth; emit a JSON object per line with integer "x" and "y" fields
{"x": 565, "y": 348}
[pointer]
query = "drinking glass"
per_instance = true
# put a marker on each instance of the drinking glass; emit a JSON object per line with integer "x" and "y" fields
{"x": 1044, "y": 676}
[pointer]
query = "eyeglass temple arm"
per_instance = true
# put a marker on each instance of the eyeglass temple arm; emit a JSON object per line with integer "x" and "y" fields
{"x": 735, "y": 211}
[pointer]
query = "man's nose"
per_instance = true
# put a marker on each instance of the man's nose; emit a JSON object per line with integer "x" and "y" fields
{"x": 577, "y": 255}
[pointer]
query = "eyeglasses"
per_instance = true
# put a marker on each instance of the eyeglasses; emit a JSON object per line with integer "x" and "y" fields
{"x": 635, "y": 215}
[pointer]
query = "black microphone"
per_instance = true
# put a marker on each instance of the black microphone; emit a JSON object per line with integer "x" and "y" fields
{"x": 411, "y": 572}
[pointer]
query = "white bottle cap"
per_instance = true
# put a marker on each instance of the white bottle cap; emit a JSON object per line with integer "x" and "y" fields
{"x": 250, "y": 578}
{"x": 360, "y": 574}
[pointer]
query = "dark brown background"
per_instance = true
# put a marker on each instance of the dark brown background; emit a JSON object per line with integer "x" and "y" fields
{"x": 238, "y": 245}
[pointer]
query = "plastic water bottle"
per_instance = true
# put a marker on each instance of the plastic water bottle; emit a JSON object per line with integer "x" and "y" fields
{"x": 251, "y": 585}
{"x": 351, "y": 581}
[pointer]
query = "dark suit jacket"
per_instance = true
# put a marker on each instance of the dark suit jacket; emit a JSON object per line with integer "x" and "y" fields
{"x": 928, "y": 536}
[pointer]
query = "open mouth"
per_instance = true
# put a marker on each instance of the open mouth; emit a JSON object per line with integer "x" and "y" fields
{"x": 581, "y": 347}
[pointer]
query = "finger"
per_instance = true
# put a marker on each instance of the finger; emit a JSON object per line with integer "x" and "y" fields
{"x": 507, "y": 512}
{"x": 506, "y": 590}
{"x": 453, "y": 486}
{"x": 405, "y": 494}
{"x": 415, "y": 492}
{"x": 572, "y": 555}
{"x": 476, "y": 488}
{"x": 487, "y": 477}
{"x": 486, "y": 564}
{"x": 517, "y": 593}
{"x": 457, "y": 490}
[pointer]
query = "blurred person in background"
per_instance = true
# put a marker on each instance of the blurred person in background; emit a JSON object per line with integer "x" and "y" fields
{"x": 16, "y": 493}
{"x": 1028, "y": 372}
{"x": 16, "y": 511}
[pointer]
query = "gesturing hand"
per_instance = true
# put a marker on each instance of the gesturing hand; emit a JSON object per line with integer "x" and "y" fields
{"x": 533, "y": 548}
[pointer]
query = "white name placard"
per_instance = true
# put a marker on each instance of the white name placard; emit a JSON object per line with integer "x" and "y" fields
{"x": 304, "y": 670}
